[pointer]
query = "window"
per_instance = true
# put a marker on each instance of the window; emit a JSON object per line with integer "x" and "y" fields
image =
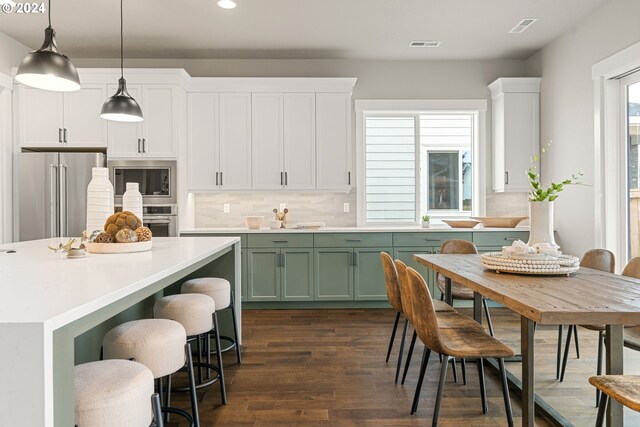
{"x": 418, "y": 163}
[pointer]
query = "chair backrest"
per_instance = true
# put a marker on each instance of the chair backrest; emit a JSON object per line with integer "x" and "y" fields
{"x": 632, "y": 269}
{"x": 599, "y": 259}
{"x": 425, "y": 321}
{"x": 456, "y": 246}
{"x": 405, "y": 289}
{"x": 391, "y": 280}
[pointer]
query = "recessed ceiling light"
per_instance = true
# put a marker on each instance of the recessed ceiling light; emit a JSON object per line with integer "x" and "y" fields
{"x": 425, "y": 43}
{"x": 522, "y": 25}
{"x": 227, "y": 4}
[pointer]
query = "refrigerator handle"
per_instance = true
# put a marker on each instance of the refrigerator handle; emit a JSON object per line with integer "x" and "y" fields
{"x": 53, "y": 215}
{"x": 64, "y": 229}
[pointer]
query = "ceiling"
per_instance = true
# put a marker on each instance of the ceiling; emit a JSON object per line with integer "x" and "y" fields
{"x": 307, "y": 29}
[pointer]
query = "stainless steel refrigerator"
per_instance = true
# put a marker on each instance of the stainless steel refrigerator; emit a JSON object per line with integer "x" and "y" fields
{"x": 52, "y": 193}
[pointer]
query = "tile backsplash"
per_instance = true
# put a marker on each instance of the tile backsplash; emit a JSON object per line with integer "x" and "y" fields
{"x": 325, "y": 207}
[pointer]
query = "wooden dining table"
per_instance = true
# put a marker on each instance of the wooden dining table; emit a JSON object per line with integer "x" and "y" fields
{"x": 587, "y": 297}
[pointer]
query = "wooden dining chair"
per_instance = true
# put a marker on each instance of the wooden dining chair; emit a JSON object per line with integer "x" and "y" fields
{"x": 393, "y": 295}
{"x": 459, "y": 291}
{"x": 597, "y": 259}
{"x": 457, "y": 342}
{"x": 624, "y": 389}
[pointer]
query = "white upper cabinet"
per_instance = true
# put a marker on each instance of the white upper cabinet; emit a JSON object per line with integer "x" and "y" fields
{"x": 299, "y": 152}
{"x": 157, "y": 135}
{"x": 333, "y": 141}
{"x": 49, "y": 119}
{"x": 515, "y": 129}
{"x": 235, "y": 141}
{"x": 267, "y": 141}
{"x": 203, "y": 141}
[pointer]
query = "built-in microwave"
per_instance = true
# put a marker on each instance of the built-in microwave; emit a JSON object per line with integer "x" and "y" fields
{"x": 156, "y": 179}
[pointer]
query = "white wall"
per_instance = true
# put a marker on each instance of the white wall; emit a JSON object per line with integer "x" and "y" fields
{"x": 567, "y": 110}
{"x": 11, "y": 53}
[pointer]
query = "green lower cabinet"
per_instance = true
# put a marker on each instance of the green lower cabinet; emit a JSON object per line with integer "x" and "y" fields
{"x": 297, "y": 274}
{"x": 263, "y": 271}
{"x": 243, "y": 273}
{"x": 406, "y": 255}
{"x": 333, "y": 273}
{"x": 369, "y": 282}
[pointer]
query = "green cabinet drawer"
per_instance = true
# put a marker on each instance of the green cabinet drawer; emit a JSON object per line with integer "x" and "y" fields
{"x": 243, "y": 237}
{"x": 280, "y": 240}
{"x": 499, "y": 238}
{"x": 352, "y": 240}
{"x": 428, "y": 238}
{"x": 369, "y": 281}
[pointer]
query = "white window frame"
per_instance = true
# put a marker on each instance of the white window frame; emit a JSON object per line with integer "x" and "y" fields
{"x": 371, "y": 107}
{"x": 610, "y": 201}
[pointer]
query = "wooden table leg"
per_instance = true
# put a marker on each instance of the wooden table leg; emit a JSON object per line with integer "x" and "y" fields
{"x": 615, "y": 366}
{"x": 527, "y": 332}
{"x": 448, "y": 297}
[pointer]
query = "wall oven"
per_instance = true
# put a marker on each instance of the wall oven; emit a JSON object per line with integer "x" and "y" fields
{"x": 156, "y": 180}
{"x": 162, "y": 220}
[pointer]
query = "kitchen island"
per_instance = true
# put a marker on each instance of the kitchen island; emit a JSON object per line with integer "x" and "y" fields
{"x": 47, "y": 301}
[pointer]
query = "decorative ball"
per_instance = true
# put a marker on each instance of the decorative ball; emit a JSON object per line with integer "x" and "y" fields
{"x": 121, "y": 220}
{"x": 144, "y": 234}
{"x": 103, "y": 238}
{"x": 126, "y": 235}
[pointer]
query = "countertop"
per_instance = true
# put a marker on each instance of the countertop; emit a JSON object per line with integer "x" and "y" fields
{"x": 415, "y": 229}
{"x": 39, "y": 286}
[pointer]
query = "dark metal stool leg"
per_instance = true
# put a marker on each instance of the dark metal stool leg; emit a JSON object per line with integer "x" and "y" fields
{"x": 199, "y": 350}
{"x": 505, "y": 392}
{"x": 566, "y": 353}
{"x": 393, "y": 336}
{"x": 157, "y": 410}
{"x": 409, "y": 354}
{"x": 207, "y": 349}
{"x": 223, "y": 390}
{"x": 599, "y": 369}
{"x": 454, "y": 368}
{"x": 159, "y": 387}
{"x": 235, "y": 328}
{"x": 441, "y": 384}
{"x": 168, "y": 399}
{"x": 577, "y": 341}
{"x": 486, "y": 312}
{"x": 423, "y": 368}
{"x": 559, "y": 351}
{"x": 483, "y": 390}
{"x": 192, "y": 386}
{"x": 404, "y": 337}
{"x": 602, "y": 410}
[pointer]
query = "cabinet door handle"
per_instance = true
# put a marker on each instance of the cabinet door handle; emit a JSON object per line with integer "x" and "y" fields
{"x": 217, "y": 178}
{"x": 280, "y": 241}
{"x": 60, "y": 135}
{"x": 144, "y": 145}
{"x": 64, "y": 135}
{"x": 286, "y": 178}
{"x": 139, "y": 145}
{"x": 348, "y": 178}
{"x": 506, "y": 178}
{"x": 281, "y": 178}
{"x": 221, "y": 179}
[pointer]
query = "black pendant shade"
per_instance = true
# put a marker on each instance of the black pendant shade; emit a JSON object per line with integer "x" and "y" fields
{"x": 47, "y": 68}
{"x": 121, "y": 107}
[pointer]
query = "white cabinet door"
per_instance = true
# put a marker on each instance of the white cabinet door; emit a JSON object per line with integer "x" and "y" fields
{"x": 203, "y": 141}
{"x": 300, "y": 141}
{"x": 125, "y": 139}
{"x": 82, "y": 122}
{"x": 160, "y": 125}
{"x": 333, "y": 141}
{"x": 40, "y": 117}
{"x": 266, "y": 141}
{"x": 235, "y": 141}
{"x": 522, "y": 138}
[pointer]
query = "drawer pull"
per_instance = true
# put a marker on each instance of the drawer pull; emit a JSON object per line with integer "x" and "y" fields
{"x": 511, "y": 239}
{"x": 280, "y": 241}
{"x": 354, "y": 240}
{"x": 432, "y": 240}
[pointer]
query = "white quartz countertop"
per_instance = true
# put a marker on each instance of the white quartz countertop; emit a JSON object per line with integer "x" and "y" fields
{"x": 39, "y": 286}
{"x": 415, "y": 229}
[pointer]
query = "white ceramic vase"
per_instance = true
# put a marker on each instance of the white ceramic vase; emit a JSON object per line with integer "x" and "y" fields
{"x": 541, "y": 217}
{"x": 99, "y": 199}
{"x": 132, "y": 200}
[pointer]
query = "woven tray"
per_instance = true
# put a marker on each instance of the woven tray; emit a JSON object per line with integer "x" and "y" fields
{"x": 564, "y": 264}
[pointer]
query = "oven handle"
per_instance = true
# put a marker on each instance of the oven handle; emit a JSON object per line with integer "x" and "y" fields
{"x": 158, "y": 221}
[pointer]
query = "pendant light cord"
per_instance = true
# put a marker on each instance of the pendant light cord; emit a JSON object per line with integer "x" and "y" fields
{"x": 49, "y": 13}
{"x": 121, "y": 42}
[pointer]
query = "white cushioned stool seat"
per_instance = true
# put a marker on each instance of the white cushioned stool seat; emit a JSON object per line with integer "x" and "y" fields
{"x": 193, "y": 311}
{"x": 156, "y": 343}
{"x": 217, "y": 288}
{"x": 113, "y": 393}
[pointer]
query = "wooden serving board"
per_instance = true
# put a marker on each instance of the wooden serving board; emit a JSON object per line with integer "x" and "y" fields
{"x": 118, "y": 248}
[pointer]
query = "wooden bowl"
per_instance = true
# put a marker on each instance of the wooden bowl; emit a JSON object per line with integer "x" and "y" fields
{"x": 461, "y": 223}
{"x": 500, "y": 221}
{"x": 118, "y": 248}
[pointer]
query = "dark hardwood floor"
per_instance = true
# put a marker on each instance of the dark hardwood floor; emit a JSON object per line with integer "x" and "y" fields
{"x": 326, "y": 368}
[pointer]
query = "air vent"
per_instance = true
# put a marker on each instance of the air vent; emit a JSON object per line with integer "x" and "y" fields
{"x": 523, "y": 25}
{"x": 425, "y": 43}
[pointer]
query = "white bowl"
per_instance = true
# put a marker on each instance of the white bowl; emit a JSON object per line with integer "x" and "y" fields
{"x": 253, "y": 222}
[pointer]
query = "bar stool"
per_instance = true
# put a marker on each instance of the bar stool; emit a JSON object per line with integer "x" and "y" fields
{"x": 196, "y": 312}
{"x": 160, "y": 345}
{"x": 220, "y": 291}
{"x": 115, "y": 393}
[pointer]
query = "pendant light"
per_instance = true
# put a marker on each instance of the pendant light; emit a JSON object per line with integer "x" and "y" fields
{"x": 47, "y": 68}
{"x": 121, "y": 107}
